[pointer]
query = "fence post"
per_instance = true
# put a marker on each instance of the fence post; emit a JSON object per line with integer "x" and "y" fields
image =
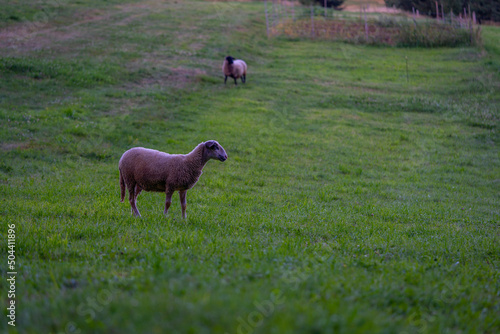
{"x": 470, "y": 27}
{"x": 285, "y": 17}
{"x": 267, "y": 21}
{"x": 407, "y": 75}
{"x": 283, "y": 11}
{"x": 312, "y": 21}
{"x": 437, "y": 12}
{"x": 442, "y": 11}
{"x": 366, "y": 25}
{"x": 280, "y": 12}
{"x": 274, "y": 13}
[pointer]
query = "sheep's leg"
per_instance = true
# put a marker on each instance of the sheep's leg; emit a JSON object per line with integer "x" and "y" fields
{"x": 182, "y": 195}
{"x": 138, "y": 190}
{"x": 235, "y": 81}
{"x": 132, "y": 197}
{"x": 168, "y": 200}
{"x": 244, "y": 78}
{"x": 225, "y": 79}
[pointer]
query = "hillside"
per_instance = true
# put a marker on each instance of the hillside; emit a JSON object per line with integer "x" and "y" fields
{"x": 360, "y": 194}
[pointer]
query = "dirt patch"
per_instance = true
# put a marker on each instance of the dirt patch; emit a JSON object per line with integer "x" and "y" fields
{"x": 143, "y": 5}
{"x": 37, "y": 41}
{"x": 13, "y": 146}
{"x": 33, "y": 36}
{"x": 130, "y": 19}
{"x": 177, "y": 77}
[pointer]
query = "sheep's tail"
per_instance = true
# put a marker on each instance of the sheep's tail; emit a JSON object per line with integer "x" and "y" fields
{"x": 122, "y": 187}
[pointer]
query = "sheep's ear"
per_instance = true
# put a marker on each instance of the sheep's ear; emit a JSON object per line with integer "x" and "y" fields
{"x": 211, "y": 144}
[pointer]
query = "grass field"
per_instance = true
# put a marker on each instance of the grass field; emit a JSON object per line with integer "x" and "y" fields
{"x": 356, "y": 198}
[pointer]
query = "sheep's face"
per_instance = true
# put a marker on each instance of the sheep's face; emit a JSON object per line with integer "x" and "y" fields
{"x": 229, "y": 59}
{"x": 215, "y": 151}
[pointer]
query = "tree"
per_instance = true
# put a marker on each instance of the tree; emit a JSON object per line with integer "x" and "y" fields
{"x": 329, "y": 3}
{"x": 486, "y": 10}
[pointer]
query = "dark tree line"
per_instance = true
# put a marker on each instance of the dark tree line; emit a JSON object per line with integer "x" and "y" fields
{"x": 486, "y": 10}
{"x": 329, "y": 3}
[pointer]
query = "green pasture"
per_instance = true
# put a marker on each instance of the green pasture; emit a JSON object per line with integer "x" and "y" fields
{"x": 361, "y": 193}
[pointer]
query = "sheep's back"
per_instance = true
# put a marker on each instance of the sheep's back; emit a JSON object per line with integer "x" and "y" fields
{"x": 238, "y": 68}
{"x": 152, "y": 170}
{"x": 148, "y": 168}
{"x": 242, "y": 65}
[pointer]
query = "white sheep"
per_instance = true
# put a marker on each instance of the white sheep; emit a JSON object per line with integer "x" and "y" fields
{"x": 234, "y": 68}
{"x": 152, "y": 170}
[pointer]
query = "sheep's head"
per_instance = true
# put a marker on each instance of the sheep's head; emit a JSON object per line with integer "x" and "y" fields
{"x": 215, "y": 151}
{"x": 229, "y": 59}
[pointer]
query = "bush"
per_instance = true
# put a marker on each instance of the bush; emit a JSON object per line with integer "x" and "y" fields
{"x": 435, "y": 35}
{"x": 384, "y": 31}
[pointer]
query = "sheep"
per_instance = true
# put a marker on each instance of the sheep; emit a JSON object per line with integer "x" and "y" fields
{"x": 234, "y": 68}
{"x": 151, "y": 170}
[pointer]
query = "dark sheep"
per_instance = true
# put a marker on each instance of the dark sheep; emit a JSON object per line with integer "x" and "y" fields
{"x": 234, "y": 68}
